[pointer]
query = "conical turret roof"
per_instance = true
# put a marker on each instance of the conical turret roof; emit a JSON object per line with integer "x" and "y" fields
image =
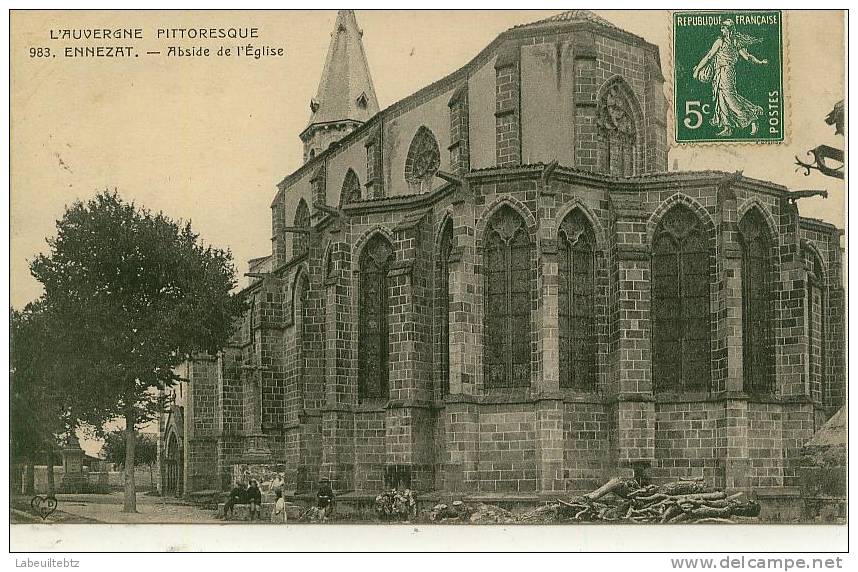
{"x": 345, "y": 90}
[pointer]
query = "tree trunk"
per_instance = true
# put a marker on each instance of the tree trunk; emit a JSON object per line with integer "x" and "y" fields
{"x": 15, "y": 478}
{"x": 49, "y": 468}
{"x": 28, "y": 486}
{"x": 130, "y": 504}
{"x": 151, "y": 478}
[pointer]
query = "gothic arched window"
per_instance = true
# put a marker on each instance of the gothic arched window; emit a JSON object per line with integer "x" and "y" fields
{"x": 443, "y": 290}
{"x": 815, "y": 317}
{"x": 576, "y": 303}
{"x": 618, "y": 135}
{"x": 351, "y": 188}
{"x": 680, "y": 303}
{"x": 507, "y": 301}
{"x": 373, "y": 308}
{"x": 422, "y": 162}
{"x": 300, "y": 240}
{"x": 757, "y": 356}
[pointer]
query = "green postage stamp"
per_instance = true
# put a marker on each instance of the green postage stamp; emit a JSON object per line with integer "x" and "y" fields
{"x": 728, "y": 76}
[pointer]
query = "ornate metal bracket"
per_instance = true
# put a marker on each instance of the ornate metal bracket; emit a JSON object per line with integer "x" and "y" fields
{"x": 820, "y": 155}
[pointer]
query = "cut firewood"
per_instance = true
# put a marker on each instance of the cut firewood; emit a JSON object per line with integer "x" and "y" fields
{"x": 609, "y": 487}
{"x": 686, "y": 501}
{"x": 684, "y": 487}
{"x": 714, "y": 521}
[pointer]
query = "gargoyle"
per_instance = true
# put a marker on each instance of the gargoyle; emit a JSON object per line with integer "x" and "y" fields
{"x": 795, "y": 195}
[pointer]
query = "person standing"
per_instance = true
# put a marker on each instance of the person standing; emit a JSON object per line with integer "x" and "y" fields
{"x": 277, "y": 484}
{"x": 278, "y": 514}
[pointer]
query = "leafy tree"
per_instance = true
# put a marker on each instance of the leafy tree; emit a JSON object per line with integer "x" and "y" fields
{"x": 145, "y": 451}
{"x": 142, "y": 293}
{"x": 42, "y": 388}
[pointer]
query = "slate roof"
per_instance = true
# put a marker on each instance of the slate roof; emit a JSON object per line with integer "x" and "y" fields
{"x": 345, "y": 90}
{"x": 572, "y": 16}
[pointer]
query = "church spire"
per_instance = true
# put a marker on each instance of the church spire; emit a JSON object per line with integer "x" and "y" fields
{"x": 346, "y": 97}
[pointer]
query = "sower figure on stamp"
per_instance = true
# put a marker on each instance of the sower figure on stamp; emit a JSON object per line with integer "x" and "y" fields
{"x": 719, "y": 67}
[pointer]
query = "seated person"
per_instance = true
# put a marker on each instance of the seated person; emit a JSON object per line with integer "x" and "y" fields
{"x": 325, "y": 498}
{"x": 254, "y": 499}
{"x": 238, "y": 495}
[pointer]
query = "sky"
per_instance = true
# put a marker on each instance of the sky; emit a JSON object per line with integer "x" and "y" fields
{"x": 207, "y": 139}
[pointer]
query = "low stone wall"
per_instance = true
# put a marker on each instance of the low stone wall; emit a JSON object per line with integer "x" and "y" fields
{"x": 109, "y": 480}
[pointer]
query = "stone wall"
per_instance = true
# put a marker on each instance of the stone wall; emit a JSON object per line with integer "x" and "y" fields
{"x": 686, "y": 441}
{"x": 508, "y": 449}
{"x": 587, "y": 447}
{"x": 285, "y": 388}
{"x": 504, "y": 441}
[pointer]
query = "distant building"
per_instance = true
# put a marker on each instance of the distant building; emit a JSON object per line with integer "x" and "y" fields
{"x": 494, "y": 285}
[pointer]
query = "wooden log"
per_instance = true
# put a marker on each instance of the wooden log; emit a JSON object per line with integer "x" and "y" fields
{"x": 671, "y": 512}
{"x": 643, "y": 491}
{"x": 680, "y": 518}
{"x": 660, "y": 505}
{"x": 716, "y": 495}
{"x": 650, "y": 498}
{"x": 614, "y": 484}
{"x": 721, "y": 503}
{"x": 684, "y": 487}
{"x": 752, "y": 508}
{"x": 705, "y": 511}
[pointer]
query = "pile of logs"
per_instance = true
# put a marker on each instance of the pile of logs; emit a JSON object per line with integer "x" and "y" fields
{"x": 624, "y": 501}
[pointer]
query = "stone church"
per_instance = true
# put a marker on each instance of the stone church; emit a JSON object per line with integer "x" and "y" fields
{"x": 496, "y": 285}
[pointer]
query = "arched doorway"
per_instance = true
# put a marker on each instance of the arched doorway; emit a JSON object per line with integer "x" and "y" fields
{"x": 173, "y": 467}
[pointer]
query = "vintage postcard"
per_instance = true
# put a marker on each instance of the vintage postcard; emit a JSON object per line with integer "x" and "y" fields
{"x": 457, "y": 275}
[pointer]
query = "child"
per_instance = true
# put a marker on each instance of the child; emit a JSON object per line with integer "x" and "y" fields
{"x": 279, "y": 515}
{"x": 254, "y": 499}
{"x": 325, "y": 498}
{"x": 411, "y": 504}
